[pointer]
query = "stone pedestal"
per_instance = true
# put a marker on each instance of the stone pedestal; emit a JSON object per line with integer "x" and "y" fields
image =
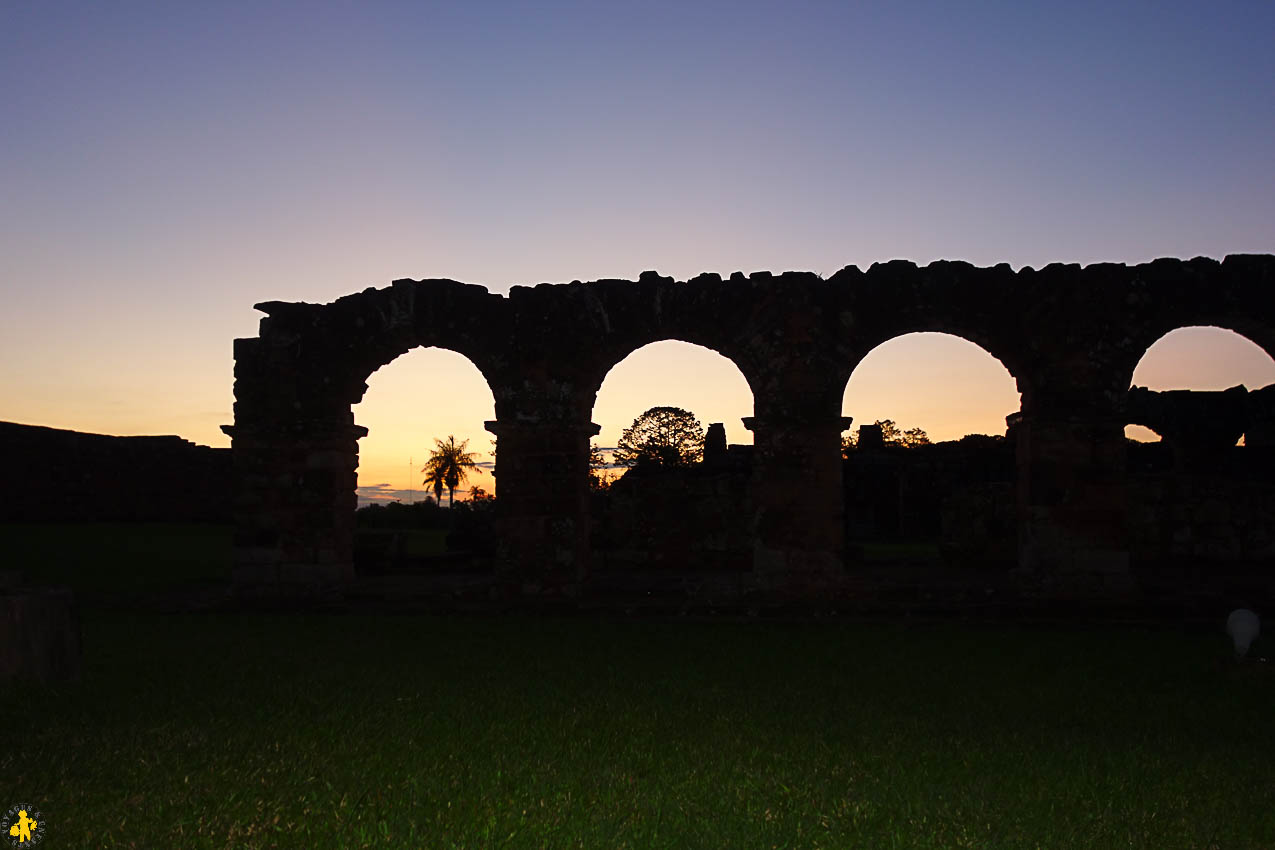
{"x": 1072, "y": 507}
{"x": 542, "y": 505}
{"x": 39, "y": 636}
{"x": 798, "y": 526}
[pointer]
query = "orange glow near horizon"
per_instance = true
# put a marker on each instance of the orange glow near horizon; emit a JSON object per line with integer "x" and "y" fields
{"x": 424, "y": 395}
{"x": 940, "y": 383}
{"x": 674, "y": 374}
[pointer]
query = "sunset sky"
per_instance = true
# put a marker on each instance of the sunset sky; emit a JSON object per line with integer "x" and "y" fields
{"x": 163, "y": 166}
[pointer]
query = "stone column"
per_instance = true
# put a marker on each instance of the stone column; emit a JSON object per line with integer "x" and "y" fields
{"x": 542, "y": 504}
{"x": 1073, "y": 513}
{"x": 295, "y": 501}
{"x": 798, "y": 504}
{"x": 1261, "y": 418}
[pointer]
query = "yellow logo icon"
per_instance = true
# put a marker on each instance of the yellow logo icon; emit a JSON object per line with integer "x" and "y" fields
{"x": 24, "y": 829}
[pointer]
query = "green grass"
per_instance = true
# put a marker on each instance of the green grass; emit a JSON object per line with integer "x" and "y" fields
{"x": 359, "y": 731}
{"x": 92, "y": 557}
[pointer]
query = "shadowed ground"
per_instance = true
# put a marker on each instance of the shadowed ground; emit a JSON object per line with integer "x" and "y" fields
{"x": 385, "y": 731}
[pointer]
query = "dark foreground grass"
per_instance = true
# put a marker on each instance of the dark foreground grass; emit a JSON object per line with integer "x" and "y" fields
{"x": 91, "y": 557}
{"x": 357, "y": 731}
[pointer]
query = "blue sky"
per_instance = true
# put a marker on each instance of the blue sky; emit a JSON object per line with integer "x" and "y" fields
{"x": 166, "y": 165}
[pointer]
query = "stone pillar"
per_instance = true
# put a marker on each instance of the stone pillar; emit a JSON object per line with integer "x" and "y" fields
{"x": 542, "y": 505}
{"x": 294, "y": 501}
{"x": 798, "y": 522}
{"x": 1073, "y": 537}
{"x": 715, "y": 446}
{"x": 1261, "y": 418}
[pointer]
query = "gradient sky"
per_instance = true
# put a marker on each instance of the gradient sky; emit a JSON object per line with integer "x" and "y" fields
{"x": 164, "y": 165}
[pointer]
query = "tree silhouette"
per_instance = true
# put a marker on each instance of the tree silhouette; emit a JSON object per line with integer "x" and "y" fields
{"x": 662, "y": 436}
{"x": 891, "y": 435}
{"x": 449, "y": 466}
{"x": 434, "y": 476}
{"x": 599, "y": 477}
{"x": 913, "y": 437}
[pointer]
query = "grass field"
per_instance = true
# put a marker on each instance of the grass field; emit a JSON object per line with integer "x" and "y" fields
{"x": 90, "y": 557}
{"x": 310, "y": 731}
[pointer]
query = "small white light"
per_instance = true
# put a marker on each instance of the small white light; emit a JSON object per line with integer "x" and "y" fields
{"x": 1243, "y": 626}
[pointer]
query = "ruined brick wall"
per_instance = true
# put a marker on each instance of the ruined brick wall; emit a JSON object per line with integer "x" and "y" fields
{"x": 1070, "y": 336}
{"x": 1220, "y": 513}
{"x": 1182, "y": 508}
{"x": 692, "y": 518}
{"x": 52, "y": 474}
{"x": 977, "y": 526}
{"x": 898, "y": 493}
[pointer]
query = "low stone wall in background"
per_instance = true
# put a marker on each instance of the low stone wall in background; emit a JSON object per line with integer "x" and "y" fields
{"x": 50, "y": 474}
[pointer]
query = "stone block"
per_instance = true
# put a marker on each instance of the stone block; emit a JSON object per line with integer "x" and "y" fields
{"x": 39, "y": 636}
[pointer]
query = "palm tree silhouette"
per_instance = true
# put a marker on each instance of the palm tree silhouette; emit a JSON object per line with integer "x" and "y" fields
{"x": 434, "y": 476}
{"x": 449, "y": 466}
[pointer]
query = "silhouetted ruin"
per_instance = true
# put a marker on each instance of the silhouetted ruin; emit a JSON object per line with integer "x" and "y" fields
{"x": 1070, "y": 336}
{"x": 58, "y": 475}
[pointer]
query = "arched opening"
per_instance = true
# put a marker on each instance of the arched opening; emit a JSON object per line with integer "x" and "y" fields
{"x": 673, "y": 517}
{"x": 423, "y": 398}
{"x": 1199, "y": 359}
{"x": 1200, "y": 497}
{"x": 936, "y": 480}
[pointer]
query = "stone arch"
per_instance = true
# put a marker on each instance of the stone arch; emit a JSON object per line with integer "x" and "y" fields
{"x": 294, "y": 438}
{"x": 674, "y": 313}
{"x": 1070, "y": 336}
{"x": 377, "y": 326}
{"x": 1196, "y": 497}
{"x": 428, "y": 393}
{"x": 646, "y": 347}
{"x": 948, "y": 338}
{"x": 420, "y": 400}
{"x": 1147, "y": 401}
{"x": 895, "y": 299}
{"x": 954, "y": 500}
{"x": 1166, "y": 295}
{"x": 686, "y": 519}
{"x": 1151, "y": 334}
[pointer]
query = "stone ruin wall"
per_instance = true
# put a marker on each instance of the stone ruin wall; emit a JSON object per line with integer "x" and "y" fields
{"x": 677, "y": 519}
{"x": 957, "y": 495}
{"x": 52, "y": 474}
{"x": 1070, "y": 337}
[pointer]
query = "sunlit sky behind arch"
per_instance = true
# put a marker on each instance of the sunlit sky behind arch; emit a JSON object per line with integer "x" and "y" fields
{"x": 166, "y": 166}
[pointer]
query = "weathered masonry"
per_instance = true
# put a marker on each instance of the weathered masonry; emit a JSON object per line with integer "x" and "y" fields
{"x": 1070, "y": 336}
